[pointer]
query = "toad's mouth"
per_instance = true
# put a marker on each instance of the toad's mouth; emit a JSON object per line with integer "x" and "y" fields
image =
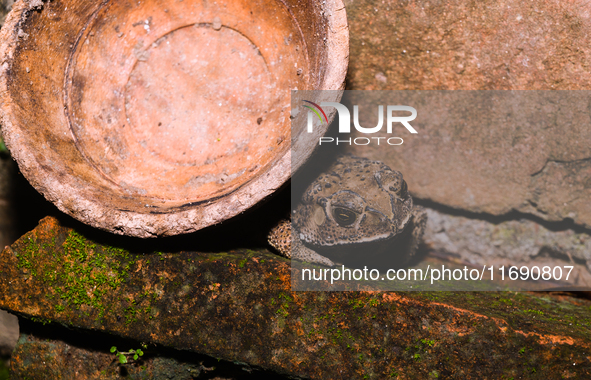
{"x": 330, "y": 241}
{"x": 387, "y": 253}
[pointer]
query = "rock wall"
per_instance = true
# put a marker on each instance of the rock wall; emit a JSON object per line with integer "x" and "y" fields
{"x": 537, "y": 171}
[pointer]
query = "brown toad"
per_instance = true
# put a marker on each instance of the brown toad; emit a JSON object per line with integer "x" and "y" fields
{"x": 358, "y": 207}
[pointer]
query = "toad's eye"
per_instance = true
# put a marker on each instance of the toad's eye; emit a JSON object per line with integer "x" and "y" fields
{"x": 343, "y": 216}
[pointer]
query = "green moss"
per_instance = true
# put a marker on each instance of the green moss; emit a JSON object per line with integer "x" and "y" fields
{"x": 130, "y": 313}
{"x": 538, "y": 312}
{"x": 26, "y": 256}
{"x": 427, "y": 342}
{"x": 80, "y": 274}
{"x": 334, "y": 327}
{"x": 43, "y": 321}
{"x": 284, "y": 304}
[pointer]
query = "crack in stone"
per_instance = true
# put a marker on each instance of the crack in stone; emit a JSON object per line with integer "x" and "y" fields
{"x": 513, "y": 215}
{"x": 561, "y": 162}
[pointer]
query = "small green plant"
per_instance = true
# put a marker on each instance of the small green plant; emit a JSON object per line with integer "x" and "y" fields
{"x": 427, "y": 342}
{"x": 123, "y": 356}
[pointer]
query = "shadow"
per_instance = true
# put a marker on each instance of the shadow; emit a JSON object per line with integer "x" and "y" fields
{"x": 554, "y": 226}
{"x": 85, "y": 343}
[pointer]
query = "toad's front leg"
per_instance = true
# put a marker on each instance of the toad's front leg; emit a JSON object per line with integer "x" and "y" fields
{"x": 288, "y": 244}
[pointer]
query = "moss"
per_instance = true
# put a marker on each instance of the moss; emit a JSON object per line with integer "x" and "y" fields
{"x": 284, "y": 304}
{"x": 43, "y": 321}
{"x": 336, "y": 329}
{"x": 79, "y": 274}
{"x": 242, "y": 262}
{"x": 26, "y": 256}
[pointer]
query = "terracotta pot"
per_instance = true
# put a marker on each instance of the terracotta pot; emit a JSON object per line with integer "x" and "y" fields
{"x": 160, "y": 117}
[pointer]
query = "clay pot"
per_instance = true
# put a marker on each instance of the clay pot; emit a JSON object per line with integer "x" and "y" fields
{"x": 160, "y": 117}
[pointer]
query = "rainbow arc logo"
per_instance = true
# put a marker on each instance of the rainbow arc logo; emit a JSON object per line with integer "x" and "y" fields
{"x": 315, "y": 111}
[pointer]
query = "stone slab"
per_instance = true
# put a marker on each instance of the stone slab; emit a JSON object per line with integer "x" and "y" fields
{"x": 239, "y": 306}
{"x": 510, "y": 242}
{"x": 490, "y": 45}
